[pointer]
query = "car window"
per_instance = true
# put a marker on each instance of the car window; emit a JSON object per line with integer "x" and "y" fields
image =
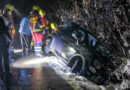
{"x": 66, "y": 31}
{"x": 79, "y": 34}
{"x": 92, "y": 40}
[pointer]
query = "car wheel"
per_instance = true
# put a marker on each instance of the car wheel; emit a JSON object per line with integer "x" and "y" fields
{"x": 46, "y": 45}
{"x": 76, "y": 63}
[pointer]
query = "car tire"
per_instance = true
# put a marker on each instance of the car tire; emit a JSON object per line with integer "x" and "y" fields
{"x": 77, "y": 64}
{"x": 46, "y": 45}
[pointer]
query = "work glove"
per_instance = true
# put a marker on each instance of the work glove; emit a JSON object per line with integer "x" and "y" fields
{"x": 44, "y": 31}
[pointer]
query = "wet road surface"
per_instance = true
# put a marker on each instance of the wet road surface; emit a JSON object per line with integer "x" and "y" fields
{"x": 46, "y": 73}
{"x": 40, "y": 77}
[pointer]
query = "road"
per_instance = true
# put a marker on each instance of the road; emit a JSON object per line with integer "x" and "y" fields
{"x": 46, "y": 73}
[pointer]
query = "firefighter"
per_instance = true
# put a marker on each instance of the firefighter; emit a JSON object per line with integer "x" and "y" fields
{"x": 54, "y": 27}
{"x": 37, "y": 30}
{"x": 25, "y": 35}
{"x": 44, "y": 21}
{"x": 9, "y": 22}
{"x": 5, "y": 39}
{"x": 8, "y": 18}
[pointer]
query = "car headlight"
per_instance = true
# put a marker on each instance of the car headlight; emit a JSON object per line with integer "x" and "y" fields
{"x": 63, "y": 54}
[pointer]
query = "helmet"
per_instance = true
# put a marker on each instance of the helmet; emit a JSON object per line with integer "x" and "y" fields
{"x": 54, "y": 25}
{"x": 37, "y": 8}
{"x": 42, "y": 12}
{"x": 8, "y": 6}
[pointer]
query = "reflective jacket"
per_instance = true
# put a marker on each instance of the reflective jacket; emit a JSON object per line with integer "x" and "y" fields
{"x": 35, "y": 24}
{"x": 44, "y": 21}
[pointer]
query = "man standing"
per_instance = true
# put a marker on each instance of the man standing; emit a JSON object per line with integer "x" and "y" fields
{"x": 8, "y": 19}
{"x": 5, "y": 39}
{"x": 36, "y": 30}
{"x": 25, "y": 35}
{"x": 44, "y": 21}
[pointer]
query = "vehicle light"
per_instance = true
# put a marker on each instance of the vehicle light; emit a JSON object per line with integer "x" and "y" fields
{"x": 72, "y": 50}
{"x": 63, "y": 55}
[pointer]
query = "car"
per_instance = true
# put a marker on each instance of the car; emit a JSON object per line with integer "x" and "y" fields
{"x": 81, "y": 51}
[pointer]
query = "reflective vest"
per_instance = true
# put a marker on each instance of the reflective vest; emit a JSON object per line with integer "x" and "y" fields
{"x": 44, "y": 21}
{"x": 12, "y": 30}
{"x": 35, "y": 23}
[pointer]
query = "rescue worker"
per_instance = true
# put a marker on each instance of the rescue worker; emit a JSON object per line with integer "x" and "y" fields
{"x": 37, "y": 30}
{"x": 54, "y": 27}
{"x": 9, "y": 22}
{"x": 44, "y": 20}
{"x": 5, "y": 39}
{"x": 8, "y": 18}
{"x": 25, "y": 35}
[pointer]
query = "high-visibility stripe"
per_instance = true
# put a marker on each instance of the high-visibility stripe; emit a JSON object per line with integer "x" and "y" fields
{"x": 39, "y": 54}
{"x": 33, "y": 19}
{"x": 38, "y": 50}
{"x": 37, "y": 47}
{"x": 36, "y": 30}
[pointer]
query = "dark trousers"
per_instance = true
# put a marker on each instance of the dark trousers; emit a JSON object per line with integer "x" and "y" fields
{"x": 4, "y": 67}
{"x": 4, "y": 61}
{"x": 25, "y": 42}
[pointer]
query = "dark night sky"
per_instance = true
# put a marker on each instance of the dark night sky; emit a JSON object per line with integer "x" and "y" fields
{"x": 24, "y": 6}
